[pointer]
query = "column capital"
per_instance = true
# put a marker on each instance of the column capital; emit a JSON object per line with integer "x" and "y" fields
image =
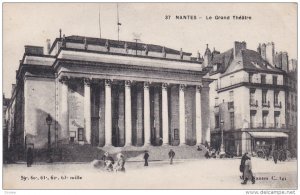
{"x": 199, "y": 88}
{"x": 87, "y": 81}
{"x": 107, "y": 82}
{"x": 64, "y": 79}
{"x": 127, "y": 83}
{"x": 146, "y": 85}
{"x": 182, "y": 87}
{"x": 165, "y": 85}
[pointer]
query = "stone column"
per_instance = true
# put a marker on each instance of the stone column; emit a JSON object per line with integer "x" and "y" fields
{"x": 182, "y": 115}
{"x": 128, "y": 122}
{"x": 165, "y": 114}
{"x": 108, "y": 116}
{"x": 198, "y": 115}
{"x": 147, "y": 132}
{"x": 87, "y": 110}
{"x": 64, "y": 114}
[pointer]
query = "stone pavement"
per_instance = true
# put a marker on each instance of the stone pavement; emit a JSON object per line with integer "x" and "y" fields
{"x": 183, "y": 174}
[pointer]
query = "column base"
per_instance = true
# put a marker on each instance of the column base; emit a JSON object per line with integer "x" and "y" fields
{"x": 165, "y": 144}
{"x": 127, "y": 145}
{"x": 182, "y": 144}
{"x": 147, "y": 144}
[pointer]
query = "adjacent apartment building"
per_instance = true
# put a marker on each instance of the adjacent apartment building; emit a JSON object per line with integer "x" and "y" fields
{"x": 252, "y": 98}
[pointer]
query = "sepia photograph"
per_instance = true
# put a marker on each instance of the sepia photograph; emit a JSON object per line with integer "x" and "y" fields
{"x": 150, "y": 96}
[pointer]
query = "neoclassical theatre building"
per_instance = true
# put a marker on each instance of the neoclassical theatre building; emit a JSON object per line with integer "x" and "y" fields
{"x": 109, "y": 93}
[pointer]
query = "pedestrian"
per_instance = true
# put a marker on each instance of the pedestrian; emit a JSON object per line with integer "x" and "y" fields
{"x": 248, "y": 174}
{"x": 199, "y": 149}
{"x": 120, "y": 164}
{"x": 275, "y": 156}
{"x": 171, "y": 156}
{"x": 29, "y": 157}
{"x": 242, "y": 165}
{"x": 267, "y": 152}
{"x": 146, "y": 156}
{"x": 108, "y": 162}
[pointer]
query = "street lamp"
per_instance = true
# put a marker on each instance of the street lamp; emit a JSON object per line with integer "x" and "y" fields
{"x": 49, "y": 122}
{"x": 222, "y": 151}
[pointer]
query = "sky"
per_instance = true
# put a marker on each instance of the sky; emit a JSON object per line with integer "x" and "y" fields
{"x": 33, "y": 23}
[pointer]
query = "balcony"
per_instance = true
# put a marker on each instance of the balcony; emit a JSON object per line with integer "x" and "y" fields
{"x": 266, "y": 104}
{"x": 230, "y": 105}
{"x": 277, "y": 105}
{"x": 253, "y": 103}
{"x": 267, "y": 125}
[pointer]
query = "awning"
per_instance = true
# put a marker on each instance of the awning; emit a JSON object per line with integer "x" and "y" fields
{"x": 268, "y": 134}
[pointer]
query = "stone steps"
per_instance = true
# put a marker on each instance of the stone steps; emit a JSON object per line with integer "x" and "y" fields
{"x": 87, "y": 153}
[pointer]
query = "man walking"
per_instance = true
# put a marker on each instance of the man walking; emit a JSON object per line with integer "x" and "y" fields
{"x": 275, "y": 156}
{"x": 171, "y": 156}
{"x": 146, "y": 156}
{"x": 242, "y": 165}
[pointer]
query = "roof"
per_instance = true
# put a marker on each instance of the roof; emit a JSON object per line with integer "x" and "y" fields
{"x": 120, "y": 44}
{"x": 247, "y": 60}
{"x": 224, "y": 59}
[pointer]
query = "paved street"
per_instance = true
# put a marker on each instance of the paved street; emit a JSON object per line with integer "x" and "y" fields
{"x": 188, "y": 174}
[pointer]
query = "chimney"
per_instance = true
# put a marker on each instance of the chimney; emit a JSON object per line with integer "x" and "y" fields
{"x": 48, "y": 45}
{"x": 164, "y": 52}
{"x": 13, "y": 87}
{"x": 270, "y": 50}
{"x": 238, "y": 47}
{"x": 292, "y": 65}
{"x": 278, "y": 60}
{"x": 181, "y": 54}
{"x": 285, "y": 61}
{"x": 198, "y": 56}
{"x": 60, "y": 33}
{"x": 263, "y": 51}
{"x": 259, "y": 49}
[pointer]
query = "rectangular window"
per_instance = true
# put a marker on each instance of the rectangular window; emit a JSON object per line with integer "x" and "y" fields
{"x": 231, "y": 80}
{"x": 276, "y": 94}
{"x": 252, "y": 118}
{"x": 276, "y": 119}
{"x": 264, "y": 119}
{"x": 263, "y": 79}
{"x": 251, "y": 77}
{"x": 80, "y": 134}
{"x": 231, "y": 96}
{"x": 274, "y": 80}
{"x": 217, "y": 121}
{"x": 216, "y": 102}
{"x": 264, "y": 96}
{"x": 252, "y": 97}
{"x": 232, "y": 120}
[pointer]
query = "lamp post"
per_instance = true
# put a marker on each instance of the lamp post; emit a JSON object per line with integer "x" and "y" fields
{"x": 222, "y": 151}
{"x": 49, "y": 122}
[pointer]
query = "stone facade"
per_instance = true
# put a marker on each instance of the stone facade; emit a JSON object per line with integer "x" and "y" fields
{"x": 102, "y": 94}
{"x": 248, "y": 97}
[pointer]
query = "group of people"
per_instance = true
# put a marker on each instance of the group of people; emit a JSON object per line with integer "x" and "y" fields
{"x": 110, "y": 165}
{"x": 277, "y": 155}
